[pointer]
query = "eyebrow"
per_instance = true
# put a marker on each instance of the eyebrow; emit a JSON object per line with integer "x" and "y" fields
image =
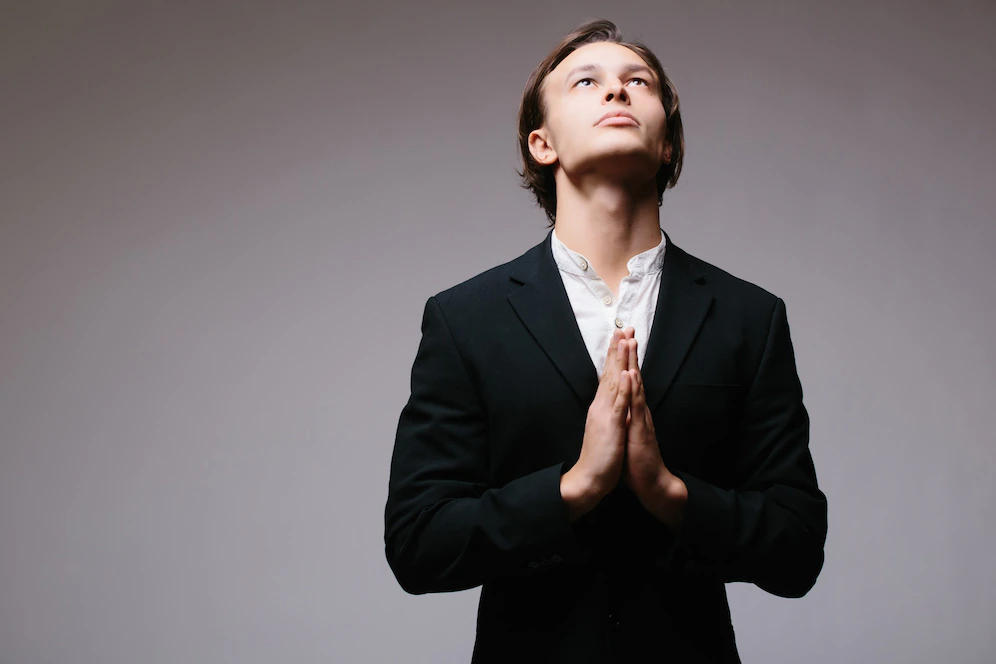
{"x": 626, "y": 69}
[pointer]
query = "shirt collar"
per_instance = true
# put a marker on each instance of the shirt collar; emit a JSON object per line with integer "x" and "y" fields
{"x": 568, "y": 260}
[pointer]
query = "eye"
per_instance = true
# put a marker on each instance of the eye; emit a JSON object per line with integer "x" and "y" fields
{"x": 632, "y": 79}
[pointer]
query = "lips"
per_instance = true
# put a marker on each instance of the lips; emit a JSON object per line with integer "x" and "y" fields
{"x": 624, "y": 117}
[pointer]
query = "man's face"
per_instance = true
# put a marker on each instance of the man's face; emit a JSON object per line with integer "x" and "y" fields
{"x": 613, "y": 78}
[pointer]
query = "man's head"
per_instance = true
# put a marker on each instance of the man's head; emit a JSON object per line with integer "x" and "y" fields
{"x": 590, "y": 73}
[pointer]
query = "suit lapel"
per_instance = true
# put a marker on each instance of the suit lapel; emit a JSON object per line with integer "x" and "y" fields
{"x": 682, "y": 304}
{"x": 543, "y": 306}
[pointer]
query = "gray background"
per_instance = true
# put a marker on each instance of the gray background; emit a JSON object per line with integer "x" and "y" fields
{"x": 220, "y": 224}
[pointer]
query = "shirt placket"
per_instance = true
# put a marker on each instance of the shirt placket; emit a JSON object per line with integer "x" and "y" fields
{"x": 621, "y": 309}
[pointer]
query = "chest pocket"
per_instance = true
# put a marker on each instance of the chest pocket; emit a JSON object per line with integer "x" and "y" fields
{"x": 697, "y": 427}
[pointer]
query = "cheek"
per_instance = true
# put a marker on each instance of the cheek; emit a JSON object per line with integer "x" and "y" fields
{"x": 665, "y": 148}
{"x": 568, "y": 127}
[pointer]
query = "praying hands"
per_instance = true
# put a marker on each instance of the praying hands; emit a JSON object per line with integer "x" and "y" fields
{"x": 621, "y": 441}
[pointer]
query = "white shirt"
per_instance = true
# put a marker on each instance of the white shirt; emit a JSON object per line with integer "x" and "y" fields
{"x": 598, "y": 312}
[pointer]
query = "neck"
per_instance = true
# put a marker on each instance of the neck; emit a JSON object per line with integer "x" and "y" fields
{"x": 608, "y": 225}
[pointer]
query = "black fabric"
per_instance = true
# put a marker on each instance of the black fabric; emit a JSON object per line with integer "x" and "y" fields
{"x": 500, "y": 389}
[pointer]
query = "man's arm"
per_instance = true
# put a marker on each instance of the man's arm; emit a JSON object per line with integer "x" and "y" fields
{"x": 771, "y": 529}
{"x": 445, "y": 529}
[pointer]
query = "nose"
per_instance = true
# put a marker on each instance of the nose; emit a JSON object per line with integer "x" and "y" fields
{"x": 618, "y": 89}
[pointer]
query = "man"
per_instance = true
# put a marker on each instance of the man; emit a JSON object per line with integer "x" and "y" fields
{"x": 604, "y": 431}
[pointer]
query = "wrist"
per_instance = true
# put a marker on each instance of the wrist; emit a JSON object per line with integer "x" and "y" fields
{"x": 579, "y": 493}
{"x": 667, "y": 503}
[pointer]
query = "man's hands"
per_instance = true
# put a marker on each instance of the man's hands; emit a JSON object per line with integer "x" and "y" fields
{"x": 604, "y": 446}
{"x": 644, "y": 468}
{"x": 661, "y": 492}
{"x": 620, "y": 441}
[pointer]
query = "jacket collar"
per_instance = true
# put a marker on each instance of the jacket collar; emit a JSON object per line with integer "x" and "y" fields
{"x": 543, "y": 306}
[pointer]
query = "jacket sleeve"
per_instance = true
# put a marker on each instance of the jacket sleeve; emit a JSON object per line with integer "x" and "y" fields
{"x": 445, "y": 527}
{"x": 771, "y": 528}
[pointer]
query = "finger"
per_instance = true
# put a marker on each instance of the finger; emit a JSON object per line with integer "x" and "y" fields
{"x": 639, "y": 397}
{"x": 638, "y": 404}
{"x": 610, "y": 356}
{"x": 621, "y": 404}
{"x": 634, "y": 363}
{"x": 612, "y": 346}
{"x": 611, "y": 371}
{"x": 629, "y": 332}
{"x": 615, "y": 368}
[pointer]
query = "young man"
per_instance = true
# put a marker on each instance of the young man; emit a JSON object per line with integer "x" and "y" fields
{"x": 607, "y": 429}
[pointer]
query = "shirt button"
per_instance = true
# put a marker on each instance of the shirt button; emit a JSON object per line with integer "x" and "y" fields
{"x": 607, "y": 299}
{"x": 619, "y": 323}
{"x": 584, "y": 265}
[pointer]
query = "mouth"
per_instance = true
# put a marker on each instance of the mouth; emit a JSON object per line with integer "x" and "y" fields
{"x": 623, "y": 118}
{"x": 618, "y": 121}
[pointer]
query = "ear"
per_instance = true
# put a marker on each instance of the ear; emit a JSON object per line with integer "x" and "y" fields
{"x": 667, "y": 152}
{"x": 540, "y": 147}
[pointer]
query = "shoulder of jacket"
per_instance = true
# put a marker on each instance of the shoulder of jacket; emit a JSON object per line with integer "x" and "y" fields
{"x": 483, "y": 287}
{"x": 725, "y": 282}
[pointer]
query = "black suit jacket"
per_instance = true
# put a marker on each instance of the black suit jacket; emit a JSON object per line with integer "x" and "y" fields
{"x": 500, "y": 390}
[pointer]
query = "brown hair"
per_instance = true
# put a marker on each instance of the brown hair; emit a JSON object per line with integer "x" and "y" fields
{"x": 532, "y": 111}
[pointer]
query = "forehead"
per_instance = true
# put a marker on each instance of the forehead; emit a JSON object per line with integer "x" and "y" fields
{"x": 609, "y": 56}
